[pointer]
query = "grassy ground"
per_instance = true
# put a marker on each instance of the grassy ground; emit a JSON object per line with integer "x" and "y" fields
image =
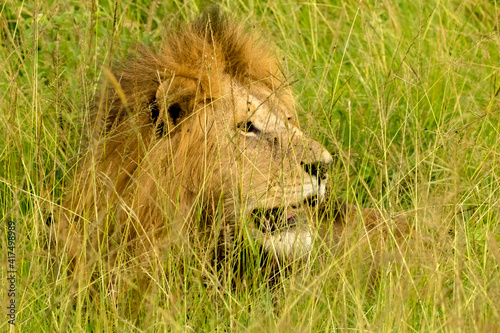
{"x": 406, "y": 94}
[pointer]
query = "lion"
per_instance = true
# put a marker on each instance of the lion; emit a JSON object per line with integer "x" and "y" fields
{"x": 197, "y": 146}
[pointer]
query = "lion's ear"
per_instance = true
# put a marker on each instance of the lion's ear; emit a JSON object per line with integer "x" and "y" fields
{"x": 174, "y": 102}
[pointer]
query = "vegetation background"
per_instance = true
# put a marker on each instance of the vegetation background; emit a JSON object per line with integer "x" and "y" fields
{"x": 406, "y": 94}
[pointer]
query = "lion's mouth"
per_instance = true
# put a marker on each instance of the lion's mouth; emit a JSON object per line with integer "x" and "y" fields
{"x": 275, "y": 219}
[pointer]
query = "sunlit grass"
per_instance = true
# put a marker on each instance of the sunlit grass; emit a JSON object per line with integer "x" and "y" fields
{"x": 404, "y": 94}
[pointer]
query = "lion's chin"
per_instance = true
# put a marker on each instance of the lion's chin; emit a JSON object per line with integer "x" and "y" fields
{"x": 283, "y": 232}
{"x": 292, "y": 244}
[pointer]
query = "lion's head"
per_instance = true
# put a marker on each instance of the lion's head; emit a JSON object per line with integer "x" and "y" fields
{"x": 201, "y": 135}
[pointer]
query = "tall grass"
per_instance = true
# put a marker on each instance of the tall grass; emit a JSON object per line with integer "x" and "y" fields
{"x": 405, "y": 95}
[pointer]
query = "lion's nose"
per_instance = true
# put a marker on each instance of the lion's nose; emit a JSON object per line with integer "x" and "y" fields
{"x": 317, "y": 169}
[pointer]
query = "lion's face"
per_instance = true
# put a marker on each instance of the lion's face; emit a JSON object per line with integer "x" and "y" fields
{"x": 266, "y": 169}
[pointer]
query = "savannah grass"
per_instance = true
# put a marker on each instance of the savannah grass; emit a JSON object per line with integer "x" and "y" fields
{"x": 405, "y": 94}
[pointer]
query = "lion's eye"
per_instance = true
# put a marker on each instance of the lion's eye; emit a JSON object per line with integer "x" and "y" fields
{"x": 248, "y": 127}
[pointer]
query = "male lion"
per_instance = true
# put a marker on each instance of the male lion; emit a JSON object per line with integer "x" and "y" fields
{"x": 195, "y": 146}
